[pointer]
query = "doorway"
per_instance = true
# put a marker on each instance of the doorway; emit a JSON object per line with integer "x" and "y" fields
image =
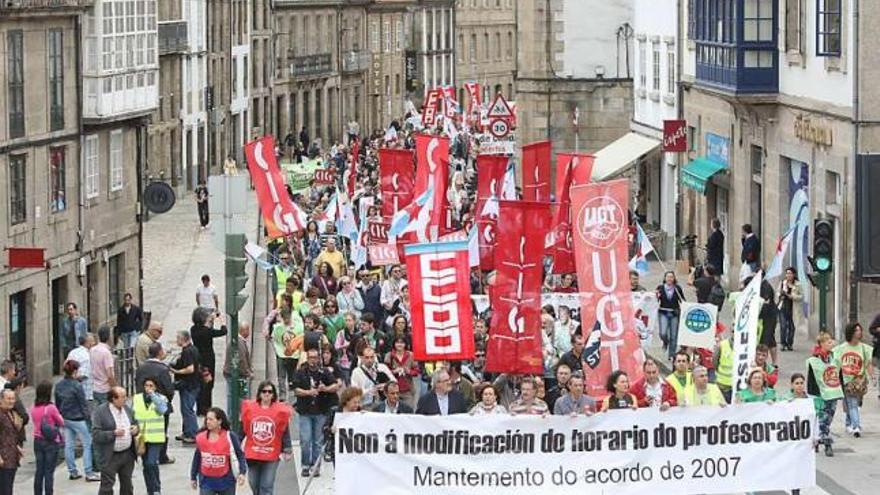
{"x": 59, "y": 301}
{"x": 18, "y": 319}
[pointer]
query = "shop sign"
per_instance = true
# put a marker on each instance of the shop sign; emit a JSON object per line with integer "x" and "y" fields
{"x": 718, "y": 149}
{"x": 675, "y": 136}
{"x": 806, "y": 129}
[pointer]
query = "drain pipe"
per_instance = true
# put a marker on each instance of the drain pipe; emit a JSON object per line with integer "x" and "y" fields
{"x": 857, "y": 126}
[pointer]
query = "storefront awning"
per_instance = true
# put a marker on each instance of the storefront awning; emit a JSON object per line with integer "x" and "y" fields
{"x": 696, "y": 173}
{"x": 614, "y": 158}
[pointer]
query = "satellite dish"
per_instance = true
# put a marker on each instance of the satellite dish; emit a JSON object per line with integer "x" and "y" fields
{"x": 159, "y": 197}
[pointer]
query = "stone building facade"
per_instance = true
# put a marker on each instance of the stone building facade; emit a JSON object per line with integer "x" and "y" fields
{"x": 485, "y": 46}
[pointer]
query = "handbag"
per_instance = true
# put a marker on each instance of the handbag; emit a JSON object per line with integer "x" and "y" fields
{"x": 857, "y": 387}
{"x": 141, "y": 444}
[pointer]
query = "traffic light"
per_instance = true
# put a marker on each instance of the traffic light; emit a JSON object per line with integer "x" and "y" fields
{"x": 823, "y": 245}
{"x": 236, "y": 273}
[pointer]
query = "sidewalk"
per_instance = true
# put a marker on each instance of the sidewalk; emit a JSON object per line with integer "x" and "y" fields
{"x": 852, "y": 470}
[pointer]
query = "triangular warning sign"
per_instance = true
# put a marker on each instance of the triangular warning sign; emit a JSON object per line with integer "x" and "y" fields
{"x": 500, "y": 109}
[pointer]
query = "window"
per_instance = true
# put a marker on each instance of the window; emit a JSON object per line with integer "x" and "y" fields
{"x": 691, "y": 19}
{"x": 116, "y": 162}
{"x": 57, "y": 172}
{"x": 828, "y": 27}
{"x": 643, "y": 65}
{"x": 498, "y": 46}
{"x": 472, "y": 49}
{"x": 56, "y": 79}
{"x": 386, "y": 31}
{"x": 758, "y": 20}
{"x": 374, "y": 36}
{"x": 656, "y": 67}
{"x": 670, "y": 69}
{"x": 398, "y": 28}
{"x": 509, "y": 45}
{"x": 15, "y": 81}
{"x": 793, "y": 25}
{"x": 486, "y": 46}
{"x": 17, "y": 189}
{"x": 90, "y": 160}
{"x": 459, "y": 50}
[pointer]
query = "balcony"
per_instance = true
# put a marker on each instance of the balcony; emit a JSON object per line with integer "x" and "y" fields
{"x": 737, "y": 53}
{"x": 355, "y": 61}
{"x": 173, "y": 37}
{"x": 311, "y": 65}
{"x": 30, "y": 5}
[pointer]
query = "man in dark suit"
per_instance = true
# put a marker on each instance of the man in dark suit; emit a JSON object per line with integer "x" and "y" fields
{"x": 715, "y": 248}
{"x": 114, "y": 433}
{"x": 751, "y": 248}
{"x": 441, "y": 400}
{"x": 392, "y": 404}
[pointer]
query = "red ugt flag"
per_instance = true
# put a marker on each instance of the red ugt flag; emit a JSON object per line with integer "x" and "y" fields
{"x": 515, "y": 333}
{"x": 441, "y": 301}
{"x": 599, "y": 225}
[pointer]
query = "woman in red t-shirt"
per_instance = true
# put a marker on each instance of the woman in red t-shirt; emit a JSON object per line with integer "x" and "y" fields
{"x": 265, "y": 423}
{"x": 217, "y": 457}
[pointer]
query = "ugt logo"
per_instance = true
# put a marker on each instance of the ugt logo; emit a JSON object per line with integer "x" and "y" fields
{"x": 600, "y": 222}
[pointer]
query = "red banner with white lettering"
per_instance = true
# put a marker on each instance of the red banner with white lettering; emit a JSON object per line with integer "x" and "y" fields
{"x": 581, "y": 166}
{"x": 377, "y": 231}
{"x": 515, "y": 332}
{"x": 383, "y": 254}
{"x": 352, "y": 168}
{"x": 281, "y": 216}
{"x": 599, "y": 225}
{"x": 536, "y": 171}
{"x": 440, "y": 297}
{"x": 397, "y": 178}
{"x": 432, "y": 154}
{"x": 490, "y": 177}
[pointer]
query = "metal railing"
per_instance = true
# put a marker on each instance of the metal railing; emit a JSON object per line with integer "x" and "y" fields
{"x": 124, "y": 368}
{"x": 6, "y": 5}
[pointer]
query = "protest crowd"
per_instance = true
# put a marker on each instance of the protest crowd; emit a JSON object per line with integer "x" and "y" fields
{"x": 345, "y": 313}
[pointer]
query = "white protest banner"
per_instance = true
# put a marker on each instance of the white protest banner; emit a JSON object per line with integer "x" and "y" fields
{"x": 696, "y": 325}
{"x": 745, "y": 331}
{"x": 684, "y": 451}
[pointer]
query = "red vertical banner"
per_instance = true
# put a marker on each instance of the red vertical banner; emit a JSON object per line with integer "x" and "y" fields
{"x": 281, "y": 216}
{"x": 490, "y": 177}
{"x": 440, "y": 297}
{"x": 581, "y": 166}
{"x": 515, "y": 333}
{"x": 352, "y": 168}
{"x": 397, "y": 179}
{"x": 432, "y": 152}
{"x": 599, "y": 224}
{"x": 536, "y": 171}
{"x": 561, "y": 243}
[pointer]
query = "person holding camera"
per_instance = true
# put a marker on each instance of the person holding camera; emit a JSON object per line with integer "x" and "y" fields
{"x": 371, "y": 377}
{"x": 312, "y": 383}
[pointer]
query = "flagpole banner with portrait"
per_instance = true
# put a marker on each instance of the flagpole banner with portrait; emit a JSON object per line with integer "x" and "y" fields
{"x": 439, "y": 287}
{"x": 696, "y": 325}
{"x": 599, "y": 230}
{"x": 515, "y": 332}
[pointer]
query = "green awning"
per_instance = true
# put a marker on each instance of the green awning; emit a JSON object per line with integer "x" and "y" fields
{"x": 696, "y": 173}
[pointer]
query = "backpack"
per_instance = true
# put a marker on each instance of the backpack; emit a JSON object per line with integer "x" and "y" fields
{"x": 48, "y": 429}
{"x": 717, "y": 295}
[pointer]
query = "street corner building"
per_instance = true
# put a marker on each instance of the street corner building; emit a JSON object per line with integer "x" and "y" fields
{"x": 78, "y": 80}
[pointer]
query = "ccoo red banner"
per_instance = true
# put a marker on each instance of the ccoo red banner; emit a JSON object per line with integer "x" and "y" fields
{"x": 599, "y": 217}
{"x": 281, "y": 216}
{"x": 490, "y": 177}
{"x": 536, "y": 171}
{"x": 397, "y": 176}
{"x": 515, "y": 332}
{"x": 440, "y": 297}
{"x": 581, "y": 166}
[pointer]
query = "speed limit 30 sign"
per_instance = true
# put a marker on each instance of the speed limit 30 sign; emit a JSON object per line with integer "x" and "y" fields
{"x": 499, "y": 128}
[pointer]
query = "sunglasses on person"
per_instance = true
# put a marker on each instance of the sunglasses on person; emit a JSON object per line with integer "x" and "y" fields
{"x": 267, "y": 391}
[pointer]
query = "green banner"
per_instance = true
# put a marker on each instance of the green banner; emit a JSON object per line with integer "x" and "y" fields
{"x": 300, "y": 174}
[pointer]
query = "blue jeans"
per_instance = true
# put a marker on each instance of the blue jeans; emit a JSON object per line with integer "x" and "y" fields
{"x": 128, "y": 339}
{"x": 311, "y": 437}
{"x": 72, "y": 430}
{"x": 208, "y": 491}
{"x": 851, "y": 407}
{"x": 669, "y": 332}
{"x": 188, "y": 399}
{"x": 261, "y": 477}
{"x": 151, "y": 468}
{"x": 46, "y": 453}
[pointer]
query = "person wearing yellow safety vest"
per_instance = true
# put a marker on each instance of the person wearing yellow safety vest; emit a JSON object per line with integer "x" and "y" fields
{"x": 702, "y": 393}
{"x": 824, "y": 381}
{"x": 680, "y": 377}
{"x": 723, "y": 359}
{"x": 149, "y": 411}
{"x": 282, "y": 272}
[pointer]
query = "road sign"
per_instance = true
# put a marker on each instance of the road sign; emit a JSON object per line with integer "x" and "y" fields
{"x": 499, "y": 128}
{"x": 500, "y": 109}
